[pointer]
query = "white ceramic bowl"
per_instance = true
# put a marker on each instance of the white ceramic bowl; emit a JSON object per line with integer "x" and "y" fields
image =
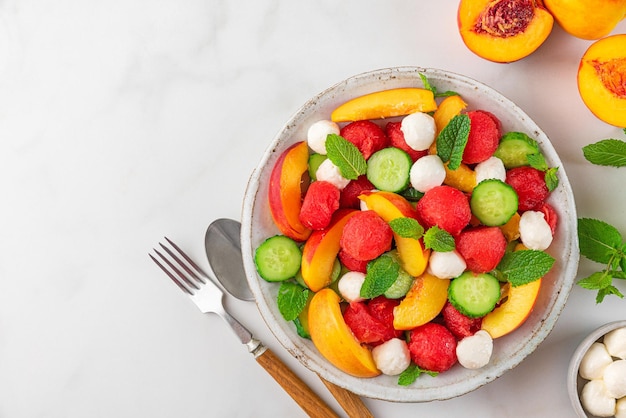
{"x": 575, "y": 383}
{"x": 509, "y": 350}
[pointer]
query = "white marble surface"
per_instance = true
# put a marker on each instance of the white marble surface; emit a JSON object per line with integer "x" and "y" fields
{"x": 125, "y": 120}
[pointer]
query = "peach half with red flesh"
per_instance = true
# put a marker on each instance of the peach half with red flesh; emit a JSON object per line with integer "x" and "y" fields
{"x": 285, "y": 191}
{"x": 602, "y": 79}
{"x": 503, "y": 30}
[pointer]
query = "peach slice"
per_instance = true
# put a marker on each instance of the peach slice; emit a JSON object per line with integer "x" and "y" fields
{"x": 463, "y": 178}
{"x": 285, "y": 191}
{"x": 389, "y": 206}
{"x": 321, "y": 249}
{"x": 587, "y": 19}
{"x": 447, "y": 109}
{"x": 513, "y": 311}
{"x": 334, "y": 339}
{"x": 602, "y": 79}
{"x": 385, "y": 104}
{"x": 422, "y": 303}
{"x": 503, "y": 30}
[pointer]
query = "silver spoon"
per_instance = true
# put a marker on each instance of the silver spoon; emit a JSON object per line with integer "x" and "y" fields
{"x": 223, "y": 249}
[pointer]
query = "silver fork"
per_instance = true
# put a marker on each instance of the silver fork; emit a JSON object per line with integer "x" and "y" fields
{"x": 207, "y": 294}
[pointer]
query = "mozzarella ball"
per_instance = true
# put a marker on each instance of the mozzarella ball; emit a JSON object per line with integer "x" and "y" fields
{"x": 419, "y": 130}
{"x": 327, "y": 171}
{"x": 317, "y": 134}
{"x": 392, "y": 357}
{"x": 427, "y": 172}
{"x": 534, "y": 230}
{"x": 596, "y": 400}
{"x": 350, "y": 286}
{"x": 594, "y": 362}
{"x": 615, "y": 379}
{"x": 620, "y": 408}
{"x": 474, "y": 352}
{"x": 491, "y": 168}
{"x": 446, "y": 265}
{"x": 615, "y": 342}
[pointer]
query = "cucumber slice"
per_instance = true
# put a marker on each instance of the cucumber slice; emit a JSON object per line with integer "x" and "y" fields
{"x": 403, "y": 282}
{"x": 389, "y": 168}
{"x": 278, "y": 258}
{"x": 493, "y": 202}
{"x": 314, "y": 163}
{"x": 514, "y": 148}
{"x": 474, "y": 295}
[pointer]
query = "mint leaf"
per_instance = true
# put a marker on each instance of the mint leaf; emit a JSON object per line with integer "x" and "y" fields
{"x": 525, "y": 266}
{"x": 411, "y": 373}
{"x": 609, "y": 290}
{"x": 407, "y": 228}
{"x": 432, "y": 88}
{"x": 439, "y": 240}
{"x": 552, "y": 181}
{"x": 412, "y": 195}
{"x": 608, "y": 152}
{"x": 381, "y": 274}
{"x": 452, "y": 140}
{"x": 598, "y": 240}
{"x": 537, "y": 161}
{"x": 346, "y": 156}
{"x": 291, "y": 300}
{"x": 598, "y": 280}
{"x": 302, "y": 332}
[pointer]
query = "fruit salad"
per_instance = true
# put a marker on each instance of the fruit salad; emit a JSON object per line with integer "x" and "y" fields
{"x": 412, "y": 234}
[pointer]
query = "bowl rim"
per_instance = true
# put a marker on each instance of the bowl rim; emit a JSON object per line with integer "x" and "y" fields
{"x": 573, "y": 388}
{"x": 401, "y": 394}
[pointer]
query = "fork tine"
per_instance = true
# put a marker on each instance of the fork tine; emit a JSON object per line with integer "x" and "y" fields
{"x": 199, "y": 274}
{"x": 169, "y": 274}
{"x": 187, "y": 278}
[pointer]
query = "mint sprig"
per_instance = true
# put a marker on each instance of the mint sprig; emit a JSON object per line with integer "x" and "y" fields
{"x": 602, "y": 243}
{"x": 346, "y": 156}
{"x": 525, "y": 266}
{"x": 607, "y": 152}
{"x": 407, "y": 227}
{"x": 411, "y": 373}
{"x": 381, "y": 274}
{"x": 432, "y": 88}
{"x": 452, "y": 140}
{"x": 291, "y": 300}
{"x": 439, "y": 240}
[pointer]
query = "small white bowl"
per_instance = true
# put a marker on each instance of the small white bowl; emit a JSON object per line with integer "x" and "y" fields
{"x": 575, "y": 383}
{"x": 509, "y": 350}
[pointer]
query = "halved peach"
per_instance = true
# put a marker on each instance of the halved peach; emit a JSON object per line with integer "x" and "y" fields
{"x": 422, "y": 303}
{"x": 389, "y": 206}
{"x": 321, "y": 249}
{"x": 285, "y": 191}
{"x": 385, "y": 104}
{"x": 503, "y": 30}
{"x": 601, "y": 79}
{"x": 334, "y": 339}
{"x": 587, "y": 19}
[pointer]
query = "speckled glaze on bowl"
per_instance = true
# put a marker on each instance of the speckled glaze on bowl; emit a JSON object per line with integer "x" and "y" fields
{"x": 509, "y": 350}
{"x": 575, "y": 383}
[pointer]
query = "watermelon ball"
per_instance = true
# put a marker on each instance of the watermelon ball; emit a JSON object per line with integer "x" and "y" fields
{"x": 366, "y": 136}
{"x": 319, "y": 204}
{"x": 350, "y": 194}
{"x": 372, "y": 322}
{"x": 351, "y": 263}
{"x": 366, "y": 236}
{"x": 396, "y": 139}
{"x": 446, "y": 207}
{"x": 481, "y": 247}
{"x": 459, "y": 325}
{"x": 530, "y": 186}
{"x": 433, "y": 347}
{"x": 483, "y": 139}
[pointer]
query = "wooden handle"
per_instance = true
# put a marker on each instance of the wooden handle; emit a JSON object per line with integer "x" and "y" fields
{"x": 308, "y": 400}
{"x": 350, "y": 402}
